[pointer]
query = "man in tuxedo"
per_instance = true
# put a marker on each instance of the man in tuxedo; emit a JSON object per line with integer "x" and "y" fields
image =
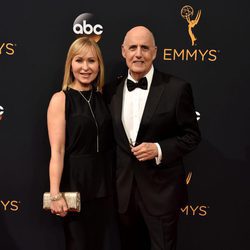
{"x": 155, "y": 125}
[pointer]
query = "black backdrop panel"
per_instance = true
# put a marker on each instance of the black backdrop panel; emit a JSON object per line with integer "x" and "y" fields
{"x": 34, "y": 39}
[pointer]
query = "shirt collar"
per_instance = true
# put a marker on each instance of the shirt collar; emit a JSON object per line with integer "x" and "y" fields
{"x": 149, "y": 76}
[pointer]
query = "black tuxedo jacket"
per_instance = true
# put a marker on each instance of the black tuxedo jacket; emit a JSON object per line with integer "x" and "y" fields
{"x": 169, "y": 118}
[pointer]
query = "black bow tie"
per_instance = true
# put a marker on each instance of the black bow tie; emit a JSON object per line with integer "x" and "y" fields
{"x": 142, "y": 83}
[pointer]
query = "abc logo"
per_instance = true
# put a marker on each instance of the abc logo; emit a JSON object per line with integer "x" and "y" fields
{"x": 198, "y": 115}
{"x": 85, "y": 25}
{"x": 1, "y": 112}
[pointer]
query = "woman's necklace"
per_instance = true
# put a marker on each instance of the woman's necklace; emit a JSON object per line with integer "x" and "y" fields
{"x": 87, "y": 100}
{"x": 93, "y": 115}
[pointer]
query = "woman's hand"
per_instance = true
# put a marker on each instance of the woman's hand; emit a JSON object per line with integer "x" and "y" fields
{"x": 59, "y": 207}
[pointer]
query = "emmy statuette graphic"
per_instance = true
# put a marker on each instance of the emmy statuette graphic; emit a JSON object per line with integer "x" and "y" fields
{"x": 187, "y": 12}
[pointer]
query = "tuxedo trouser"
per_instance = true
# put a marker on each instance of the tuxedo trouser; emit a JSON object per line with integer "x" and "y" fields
{"x": 140, "y": 230}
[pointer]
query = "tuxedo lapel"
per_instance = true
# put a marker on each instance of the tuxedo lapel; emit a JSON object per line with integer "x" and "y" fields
{"x": 117, "y": 111}
{"x": 154, "y": 95}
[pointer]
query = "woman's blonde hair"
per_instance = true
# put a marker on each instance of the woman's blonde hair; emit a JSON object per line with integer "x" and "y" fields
{"x": 83, "y": 44}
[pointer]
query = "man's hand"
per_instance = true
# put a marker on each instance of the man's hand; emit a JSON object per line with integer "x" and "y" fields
{"x": 145, "y": 151}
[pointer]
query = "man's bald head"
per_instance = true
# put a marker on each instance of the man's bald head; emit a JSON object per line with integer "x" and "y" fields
{"x": 139, "y": 30}
{"x": 139, "y": 50}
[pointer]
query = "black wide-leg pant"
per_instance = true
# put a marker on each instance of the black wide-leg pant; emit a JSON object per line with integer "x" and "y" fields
{"x": 95, "y": 228}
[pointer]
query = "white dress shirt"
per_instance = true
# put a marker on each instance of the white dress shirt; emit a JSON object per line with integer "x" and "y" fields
{"x": 132, "y": 110}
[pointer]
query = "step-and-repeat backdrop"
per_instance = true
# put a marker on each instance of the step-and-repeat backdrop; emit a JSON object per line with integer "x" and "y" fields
{"x": 204, "y": 42}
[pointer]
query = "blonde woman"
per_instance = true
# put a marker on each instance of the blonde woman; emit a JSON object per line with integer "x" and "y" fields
{"x": 81, "y": 141}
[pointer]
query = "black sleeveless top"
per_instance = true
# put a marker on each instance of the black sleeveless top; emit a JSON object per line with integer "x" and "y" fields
{"x": 89, "y": 152}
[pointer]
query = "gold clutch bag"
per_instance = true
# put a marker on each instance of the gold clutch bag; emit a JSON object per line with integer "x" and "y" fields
{"x": 72, "y": 199}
